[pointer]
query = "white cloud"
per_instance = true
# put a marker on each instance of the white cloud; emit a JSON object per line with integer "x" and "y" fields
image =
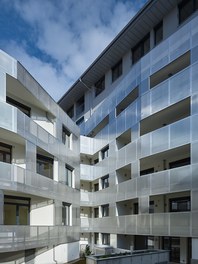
{"x": 71, "y": 33}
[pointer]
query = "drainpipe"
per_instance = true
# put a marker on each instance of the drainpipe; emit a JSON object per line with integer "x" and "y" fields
{"x": 54, "y": 259}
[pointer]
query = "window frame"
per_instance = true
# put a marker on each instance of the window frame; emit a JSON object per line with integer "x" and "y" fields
{"x": 69, "y": 181}
{"x": 105, "y": 182}
{"x": 141, "y": 46}
{"x": 4, "y": 152}
{"x": 46, "y": 160}
{"x": 181, "y": 7}
{"x": 105, "y": 152}
{"x": 158, "y": 27}
{"x": 117, "y": 70}
{"x": 66, "y": 137}
{"x": 179, "y": 200}
{"x": 100, "y": 86}
{"x": 80, "y": 106}
{"x": 105, "y": 238}
{"x": 105, "y": 210}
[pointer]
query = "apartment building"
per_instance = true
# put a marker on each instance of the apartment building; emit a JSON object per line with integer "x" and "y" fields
{"x": 39, "y": 172}
{"x": 137, "y": 109}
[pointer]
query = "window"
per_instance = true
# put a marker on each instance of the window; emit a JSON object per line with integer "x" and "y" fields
{"x": 105, "y": 182}
{"x": 105, "y": 210}
{"x": 181, "y": 204}
{"x": 147, "y": 171}
{"x": 136, "y": 208}
{"x": 117, "y": 71}
{"x": 186, "y": 9}
{"x": 5, "y": 153}
{"x": 96, "y": 187}
{"x": 96, "y": 238}
{"x": 66, "y": 214}
{"x": 69, "y": 176}
{"x": 45, "y": 166}
{"x": 179, "y": 163}
{"x": 105, "y": 239}
{"x": 158, "y": 33}
{"x": 25, "y": 109}
{"x": 16, "y": 210}
{"x": 100, "y": 86}
{"x": 66, "y": 137}
{"x": 80, "y": 106}
{"x": 151, "y": 207}
{"x": 141, "y": 49}
{"x": 105, "y": 152}
{"x": 70, "y": 112}
{"x": 96, "y": 212}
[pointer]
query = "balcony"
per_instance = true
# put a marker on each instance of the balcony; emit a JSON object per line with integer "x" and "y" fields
{"x": 18, "y": 179}
{"x": 15, "y": 238}
{"x": 159, "y": 224}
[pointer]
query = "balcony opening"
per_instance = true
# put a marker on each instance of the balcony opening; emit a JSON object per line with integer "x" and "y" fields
{"x": 96, "y": 212}
{"x": 16, "y": 210}
{"x": 123, "y": 174}
{"x": 5, "y": 153}
{"x": 124, "y": 139}
{"x": 127, "y": 207}
{"x": 45, "y": 165}
{"x": 180, "y": 204}
{"x": 129, "y": 99}
{"x": 169, "y": 159}
{"x": 23, "y": 108}
{"x": 99, "y": 127}
{"x": 186, "y": 9}
{"x": 158, "y": 33}
{"x": 96, "y": 238}
{"x": 66, "y": 137}
{"x": 171, "y": 69}
{"x": 141, "y": 49}
{"x": 165, "y": 117}
{"x": 105, "y": 239}
{"x": 116, "y": 71}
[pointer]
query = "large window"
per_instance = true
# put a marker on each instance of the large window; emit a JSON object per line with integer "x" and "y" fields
{"x": 180, "y": 204}
{"x": 69, "y": 176}
{"x": 105, "y": 210}
{"x": 5, "y": 153}
{"x": 158, "y": 33}
{"x": 16, "y": 210}
{"x": 117, "y": 71}
{"x": 66, "y": 137}
{"x": 105, "y": 239}
{"x": 105, "y": 182}
{"x": 66, "y": 214}
{"x": 141, "y": 49}
{"x": 25, "y": 109}
{"x": 186, "y": 9}
{"x": 45, "y": 166}
{"x": 100, "y": 86}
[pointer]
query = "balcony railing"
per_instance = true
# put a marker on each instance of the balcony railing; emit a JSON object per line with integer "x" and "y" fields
{"x": 159, "y": 224}
{"x": 162, "y": 182}
{"x": 13, "y": 177}
{"x": 14, "y": 238}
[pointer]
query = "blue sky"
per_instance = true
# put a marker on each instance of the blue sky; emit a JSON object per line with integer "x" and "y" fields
{"x": 56, "y": 40}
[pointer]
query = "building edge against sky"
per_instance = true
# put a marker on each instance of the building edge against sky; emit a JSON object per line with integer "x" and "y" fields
{"x": 137, "y": 109}
{"x": 40, "y": 176}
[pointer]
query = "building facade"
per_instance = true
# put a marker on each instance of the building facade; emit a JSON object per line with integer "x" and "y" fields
{"x": 39, "y": 172}
{"x": 137, "y": 109}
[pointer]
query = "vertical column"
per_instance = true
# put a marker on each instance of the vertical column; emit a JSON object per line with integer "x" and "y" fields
{"x": 183, "y": 250}
{"x": 30, "y": 156}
